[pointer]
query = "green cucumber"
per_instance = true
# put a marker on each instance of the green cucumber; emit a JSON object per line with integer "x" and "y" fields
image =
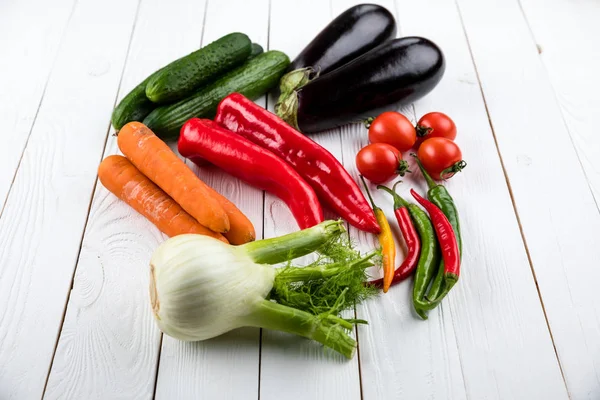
{"x": 136, "y": 106}
{"x": 183, "y": 76}
{"x": 252, "y": 79}
{"x": 133, "y": 107}
{"x": 256, "y": 50}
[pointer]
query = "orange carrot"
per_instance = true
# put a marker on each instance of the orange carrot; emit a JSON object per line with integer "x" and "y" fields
{"x": 126, "y": 182}
{"x": 157, "y": 161}
{"x": 241, "y": 229}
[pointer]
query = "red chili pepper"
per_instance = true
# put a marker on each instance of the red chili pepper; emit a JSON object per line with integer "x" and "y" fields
{"x": 446, "y": 237}
{"x": 243, "y": 159}
{"x": 411, "y": 237}
{"x": 332, "y": 183}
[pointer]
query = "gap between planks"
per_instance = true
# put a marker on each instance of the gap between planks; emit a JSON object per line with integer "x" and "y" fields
{"x": 161, "y": 334}
{"x": 264, "y": 200}
{"x": 512, "y": 198}
{"x": 37, "y": 111}
{"x": 562, "y": 117}
{"x": 93, "y": 192}
{"x": 264, "y": 204}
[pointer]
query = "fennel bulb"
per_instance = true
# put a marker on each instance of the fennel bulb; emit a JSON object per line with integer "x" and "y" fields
{"x": 201, "y": 287}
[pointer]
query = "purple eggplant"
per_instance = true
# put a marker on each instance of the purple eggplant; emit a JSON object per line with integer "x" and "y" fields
{"x": 396, "y": 72}
{"x": 353, "y": 33}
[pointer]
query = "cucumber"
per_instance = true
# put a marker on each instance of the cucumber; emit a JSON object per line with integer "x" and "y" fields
{"x": 133, "y": 107}
{"x": 256, "y": 50}
{"x": 181, "y": 77}
{"x": 136, "y": 106}
{"x": 252, "y": 79}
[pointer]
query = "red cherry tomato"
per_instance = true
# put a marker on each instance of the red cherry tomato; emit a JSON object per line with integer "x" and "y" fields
{"x": 380, "y": 162}
{"x": 394, "y": 129}
{"x": 435, "y": 124}
{"x": 441, "y": 157}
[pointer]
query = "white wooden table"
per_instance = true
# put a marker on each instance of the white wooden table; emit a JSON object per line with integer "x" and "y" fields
{"x": 524, "y": 321}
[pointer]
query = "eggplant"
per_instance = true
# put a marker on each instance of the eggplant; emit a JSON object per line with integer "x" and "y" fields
{"x": 353, "y": 33}
{"x": 396, "y": 72}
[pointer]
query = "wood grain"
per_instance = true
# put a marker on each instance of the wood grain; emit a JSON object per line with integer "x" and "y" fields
{"x": 571, "y": 60}
{"x": 293, "y": 366}
{"x": 400, "y": 356}
{"x": 226, "y": 366}
{"x": 558, "y": 215}
{"x": 45, "y": 214}
{"x": 463, "y": 349}
{"x": 535, "y": 157}
{"x": 109, "y": 331}
{"x": 27, "y": 62}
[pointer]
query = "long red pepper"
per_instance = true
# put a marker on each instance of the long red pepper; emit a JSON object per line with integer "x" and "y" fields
{"x": 446, "y": 237}
{"x": 243, "y": 159}
{"x": 411, "y": 237}
{"x": 330, "y": 180}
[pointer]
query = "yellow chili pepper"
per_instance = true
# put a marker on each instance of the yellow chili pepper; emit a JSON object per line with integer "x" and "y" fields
{"x": 386, "y": 240}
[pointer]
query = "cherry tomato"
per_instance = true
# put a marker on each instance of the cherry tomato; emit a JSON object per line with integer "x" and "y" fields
{"x": 380, "y": 162}
{"x": 435, "y": 124}
{"x": 394, "y": 129}
{"x": 441, "y": 157}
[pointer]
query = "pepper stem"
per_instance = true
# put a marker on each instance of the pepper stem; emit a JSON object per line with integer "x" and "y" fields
{"x": 293, "y": 245}
{"x": 399, "y": 202}
{"x": 368, "y": 193}
{"x": 430, "y": 182}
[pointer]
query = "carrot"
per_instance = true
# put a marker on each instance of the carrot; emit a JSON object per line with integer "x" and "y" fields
{"x": 241, "y": 229}
{"x": 157, "y": 161}
{"x": 126, "y": 182}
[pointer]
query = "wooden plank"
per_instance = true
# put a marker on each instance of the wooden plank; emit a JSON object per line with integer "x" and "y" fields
{"x": 558, "y": 215}
{"x": 226, "y": 366}
{"x": 45, "y": 213}
{"x": 400, "y": 356}
{"x": 463, "y": 350}
{"x": 108, "y": 329}
{"x": 572, "y": 64}
{"x": 295, "y": 366}
{"x": 571, "y": 60}
{"x": 30, "y": 36}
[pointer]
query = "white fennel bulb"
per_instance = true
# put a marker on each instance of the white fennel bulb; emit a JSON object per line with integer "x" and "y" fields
{"x": 201, "y": 287}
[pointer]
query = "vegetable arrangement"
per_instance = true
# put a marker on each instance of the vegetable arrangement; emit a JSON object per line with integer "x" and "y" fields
{"x": 252, "y": 79}
{"x": 123, "y": 179}
{"x": 253, "y": 164}
{"x": 193, "y": 85}
{"x": 201, "y": 288}
{"x": 330, "y": 180}
{"x": 392, "y": 133}
{"x": 398, "y": 71}
{"x": 211, "y": 276}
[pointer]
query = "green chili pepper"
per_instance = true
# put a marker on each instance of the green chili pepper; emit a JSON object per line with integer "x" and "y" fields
{"x": 428, "y": 260}
{"x": 429, "y": 257}
{"x": 439, "y": 196}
